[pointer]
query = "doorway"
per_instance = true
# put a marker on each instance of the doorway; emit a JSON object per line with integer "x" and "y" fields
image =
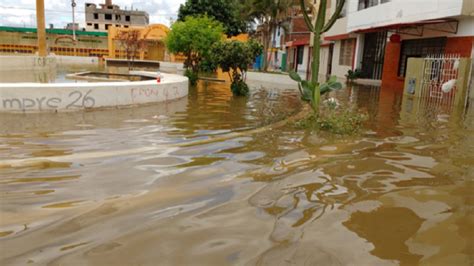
{"x": 373, "y": 56}
{"x": 330, "y": 56}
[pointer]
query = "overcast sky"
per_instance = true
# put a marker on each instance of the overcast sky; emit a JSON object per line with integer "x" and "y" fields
{"x": 21, "y": 13}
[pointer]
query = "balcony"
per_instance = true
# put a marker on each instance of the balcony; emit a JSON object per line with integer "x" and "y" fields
{"x": 366, "y": 14}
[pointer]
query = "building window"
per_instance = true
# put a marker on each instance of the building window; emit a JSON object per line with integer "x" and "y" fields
{"x": 89, "y": 24}
{"x": 363, "y": 4}
{"x": 127, "y": 18}
{"x": 300, "y": 54}
{"x": 96, "y": 26}
{"x": 108, "y": 16}
{"x": 117, "y": 17}
{"x": 107, "y": 26}
{"x": 125, "y": 26}
{"x": 346, "y": 52}
{"x": 419, "y": 48}
{"x": 96, "y": 16}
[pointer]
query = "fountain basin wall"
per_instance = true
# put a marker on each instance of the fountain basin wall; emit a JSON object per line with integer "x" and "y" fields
{"x": 62, "y": 97}
{"x": 20, "y": 63}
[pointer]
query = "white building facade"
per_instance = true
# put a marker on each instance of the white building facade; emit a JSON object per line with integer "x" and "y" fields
{"x": 378, "y": 36}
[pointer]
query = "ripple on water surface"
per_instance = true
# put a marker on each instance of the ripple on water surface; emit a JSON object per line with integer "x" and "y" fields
{"x": 170, "y": 183}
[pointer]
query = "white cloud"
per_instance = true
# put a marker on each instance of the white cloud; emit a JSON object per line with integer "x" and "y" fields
{"x": 22, "y": 12}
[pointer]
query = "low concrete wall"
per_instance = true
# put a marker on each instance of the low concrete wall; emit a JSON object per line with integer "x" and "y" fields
{"x": 76, "y": 60}
{"x": 34, "y": 97}
{"x": 15, "y": 62}
{"x": 172, "y": 67}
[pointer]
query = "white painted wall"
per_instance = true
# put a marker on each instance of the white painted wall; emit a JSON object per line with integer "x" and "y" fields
{"x": 340, "y": 27}
{"x": 401, "y": 11}
{"x": 338, "y": 70}
{"x": 277, "y": 35}
{"x": 303, "y": 68}
{"x": 468, "y": 8}
{"x": 359, "y": 51}
{"x": 34, "y": 97}
{"x": 323, "y": 59}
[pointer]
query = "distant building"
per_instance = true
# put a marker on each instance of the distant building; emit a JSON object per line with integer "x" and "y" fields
{"x": 72, "y": 26}
{"x": 100, "y": 19}
{"x": 290, "y": 42}
{"x": 297, "y": 42}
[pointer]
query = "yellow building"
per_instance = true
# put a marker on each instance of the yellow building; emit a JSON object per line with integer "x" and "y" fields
{"x": 14, "y": 40}
{"x": 152, "y": 36}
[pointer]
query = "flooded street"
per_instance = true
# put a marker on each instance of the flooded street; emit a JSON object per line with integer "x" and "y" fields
{"x": 147, "y": 186}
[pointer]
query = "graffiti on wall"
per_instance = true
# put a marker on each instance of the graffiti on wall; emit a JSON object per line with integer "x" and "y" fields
{"x": 74, "y": 100}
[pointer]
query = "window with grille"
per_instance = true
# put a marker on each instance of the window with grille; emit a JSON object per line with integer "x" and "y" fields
{"x": 419, "y": 48}
{"x": 363, "y": 4}
{"x": 346, "y": 52}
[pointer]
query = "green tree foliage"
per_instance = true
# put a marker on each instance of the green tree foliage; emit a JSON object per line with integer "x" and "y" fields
{"x": 234, "y": 57}
{"x": 225, "y": 11}
{"x": 194, "y": 38}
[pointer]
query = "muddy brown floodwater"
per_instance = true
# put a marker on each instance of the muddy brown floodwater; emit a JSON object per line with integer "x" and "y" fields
{"x": 118, "y": 187}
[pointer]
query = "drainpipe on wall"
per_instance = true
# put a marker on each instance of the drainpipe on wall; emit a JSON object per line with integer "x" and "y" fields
{"x": 471, "y": 82}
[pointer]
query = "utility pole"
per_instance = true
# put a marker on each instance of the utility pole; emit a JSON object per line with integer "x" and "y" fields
{"x": 73, "y": 5}
{"x": 41, "y": 30}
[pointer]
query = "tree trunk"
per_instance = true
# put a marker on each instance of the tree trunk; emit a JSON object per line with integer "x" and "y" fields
{"x": 271, "y": 39}
{"x": 315, "y": 70}
{"x": 266, "y": 46}
{"x": 318, "y": 27}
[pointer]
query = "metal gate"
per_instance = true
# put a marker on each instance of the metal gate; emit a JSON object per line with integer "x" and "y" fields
{"x": 373, "y": 56}
{"x": 440, "y": 71}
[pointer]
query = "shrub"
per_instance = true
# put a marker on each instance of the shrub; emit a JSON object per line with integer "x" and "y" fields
{"x": 194, "y": 38}
{"x": 335, "y": 120}
{"x": 342, "y": 122}
{"x": 192, "y": 76}
{"x": 234, "y": 57}
{"x": 239, "y": 87}
{"x": 353, "y": 75}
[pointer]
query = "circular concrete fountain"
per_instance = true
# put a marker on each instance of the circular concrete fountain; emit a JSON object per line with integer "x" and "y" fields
{"x": 57, "y": 97}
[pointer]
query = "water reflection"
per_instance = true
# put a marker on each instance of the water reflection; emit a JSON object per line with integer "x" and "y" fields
{"x": 120, "y": 186}
{"x": 388, "y": 229}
